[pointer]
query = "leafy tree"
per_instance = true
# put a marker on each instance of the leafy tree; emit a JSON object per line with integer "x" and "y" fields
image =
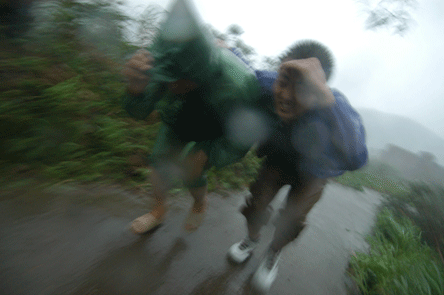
{"x": 428, "y": 157}
{"x": 216, "y": 33}
{"x": 269, "y": 63}
{"x": 247, "y": 50}
{"x": 233, "y": 38}
{"x": 147, "y": 25}
{"x": 69, "y": 25}
{"x": 392, "y": 14}
{"x": 235, "y": 30}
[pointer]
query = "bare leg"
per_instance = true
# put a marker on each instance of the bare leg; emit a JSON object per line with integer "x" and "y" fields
{"x": 199, "y": 195}
{"x": 160, "y": 191}
{"x": 149, "y": 221}
{"x": 292, "y": 220}
{"x": 263, "y": 191}
{"x": 197, "y": 213}
{"x": 194, "y": 166}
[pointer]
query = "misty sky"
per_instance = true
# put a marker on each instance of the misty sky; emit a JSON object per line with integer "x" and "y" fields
{"x": 375, "y": 69}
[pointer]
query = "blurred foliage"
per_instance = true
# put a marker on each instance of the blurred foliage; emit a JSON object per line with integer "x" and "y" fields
{"x": 60, "y": 113}
{"x": 147, "y": 24}
{"x": 236, "y": 175}
{"x": 232, "y": 38}
{"x": 65, "y": 118}
{"x": 270, "y": 63}
{"x": 398, "y": 262}
{"x": 424, "y": 205}
{"x": 395, "y": 15}
{"x": 15, "y": 17}
{"x": 375, "y": 175}
{"x": 65, "y": 28}
{"x": 401, "y": 259}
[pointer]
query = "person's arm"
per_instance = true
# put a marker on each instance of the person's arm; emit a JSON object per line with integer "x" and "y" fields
{"x": 309, "y": 83}
{"x": 347, "y": 132}
{"x": 141, "y": 96}
{"x": 331, "y": 139}
{"x": 329, "y": 133}
{"x": 140, "y": 106}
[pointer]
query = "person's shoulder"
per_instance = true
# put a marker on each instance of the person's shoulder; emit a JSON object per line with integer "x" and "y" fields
{"x": 342, "y": 104}
{"x": 266, "y": 75}
{"x": 238, "y": 53}
{"x": 266, "y": 80}
{"x": 339, "y": 96}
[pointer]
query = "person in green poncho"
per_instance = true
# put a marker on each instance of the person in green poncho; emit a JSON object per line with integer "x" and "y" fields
{"x": 209, "y": 103}
{"x": 195, "y": 134}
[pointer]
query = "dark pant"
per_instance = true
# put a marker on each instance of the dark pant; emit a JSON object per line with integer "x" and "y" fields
{"x": 304, "y": 193}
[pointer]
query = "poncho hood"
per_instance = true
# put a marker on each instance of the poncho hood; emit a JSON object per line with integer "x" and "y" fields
{"x": 184, "y": 47}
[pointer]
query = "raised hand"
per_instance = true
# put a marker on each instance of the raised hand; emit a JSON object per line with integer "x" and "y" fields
{"x": 135, "y": 70}
{"x": 308, "y": 80}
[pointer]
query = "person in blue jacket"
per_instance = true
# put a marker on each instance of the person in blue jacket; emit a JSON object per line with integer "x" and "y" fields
{"x": 317, "y": 135}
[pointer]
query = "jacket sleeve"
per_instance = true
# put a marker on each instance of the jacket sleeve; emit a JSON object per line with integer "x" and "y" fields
{"x": 332, "y": 140}
{"x": 348, "y": 134}
{"x": 142, "y": 105}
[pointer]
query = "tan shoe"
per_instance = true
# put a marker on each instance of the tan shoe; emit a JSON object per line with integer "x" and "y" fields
{"x": 145, "y": 223}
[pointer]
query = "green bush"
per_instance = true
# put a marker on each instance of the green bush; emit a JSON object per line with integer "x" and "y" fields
{"x": 379, "y": 182}
{"x": 237, "y": 175}
{"x": 398, "y": 262}
{"x": 424, "y": 205}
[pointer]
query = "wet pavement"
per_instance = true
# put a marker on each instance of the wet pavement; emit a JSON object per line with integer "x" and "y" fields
{"x": 71, "y": 240}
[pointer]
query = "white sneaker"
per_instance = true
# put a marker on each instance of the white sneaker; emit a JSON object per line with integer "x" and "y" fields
{"x": 267, "y": 271}
{"x": 240, "y": 251}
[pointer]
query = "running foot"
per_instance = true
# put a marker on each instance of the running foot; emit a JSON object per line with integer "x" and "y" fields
{"x": 242, "y": 250}
{"x": 266, "y": 273}
{"x": 196, "y": 216}
{"x": 145, "y": 223}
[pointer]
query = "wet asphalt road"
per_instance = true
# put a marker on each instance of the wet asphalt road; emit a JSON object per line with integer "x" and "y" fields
{"x": 67, "y": 240}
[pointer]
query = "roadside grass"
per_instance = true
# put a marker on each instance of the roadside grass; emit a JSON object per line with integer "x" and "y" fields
{"x": 424, "y": 205}
{"x": 377, "y": 176}
{"x": 360, "y": 179}
{"x": 398, "y": 261}
{"x": 405, "y": 248}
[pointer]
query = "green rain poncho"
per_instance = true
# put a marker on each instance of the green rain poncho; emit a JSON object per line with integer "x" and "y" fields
{"x": 227, "y": 89}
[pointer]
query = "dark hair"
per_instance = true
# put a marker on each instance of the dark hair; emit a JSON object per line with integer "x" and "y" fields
{"x": 310, "y": 48}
